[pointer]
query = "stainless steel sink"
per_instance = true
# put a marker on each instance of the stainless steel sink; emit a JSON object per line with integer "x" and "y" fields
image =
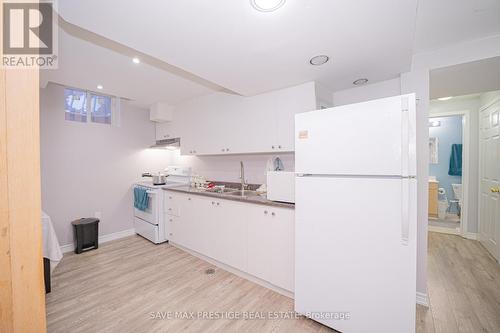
{"x": 245, "y": 193}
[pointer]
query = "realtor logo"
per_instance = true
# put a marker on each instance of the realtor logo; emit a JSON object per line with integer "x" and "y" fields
{"x": 29, "y": 34}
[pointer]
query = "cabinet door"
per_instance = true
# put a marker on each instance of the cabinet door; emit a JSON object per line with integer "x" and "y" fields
{"x": 259, "y": 241}
{"x": 230, "y": 234}
{"x": 282, "y": 233}
{"x": 224, "y": 136}
{"x": 257, "y": 125}
{"x": 185, "y": 220}
{"x": 197, "y": 212}
{"x": 301, "y": 101}
{"x": 165, "y": 131}
{"x": 192, "y": 130}
{"x": 271, "y": 245}
{"x": 204, "y": 226}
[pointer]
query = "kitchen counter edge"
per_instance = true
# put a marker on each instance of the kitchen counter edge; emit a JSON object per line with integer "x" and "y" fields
{"x": 252, "y": 200}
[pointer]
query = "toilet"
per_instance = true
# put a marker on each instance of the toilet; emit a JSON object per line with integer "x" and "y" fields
{"x": 457, "y": 194}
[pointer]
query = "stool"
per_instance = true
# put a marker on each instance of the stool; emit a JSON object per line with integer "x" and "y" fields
{"x": 86, "y": 234}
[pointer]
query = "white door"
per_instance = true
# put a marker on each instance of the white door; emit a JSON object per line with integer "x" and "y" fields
{"x": 371, "y": 138}
{"x": 355, "y": 253}
{"x": 489, "y": 214}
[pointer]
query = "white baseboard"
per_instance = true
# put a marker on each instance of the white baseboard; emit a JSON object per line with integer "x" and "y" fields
{"x": 422, "y": 299}
{"x": 102, "y": 239}
{"x": 470, "y": 235}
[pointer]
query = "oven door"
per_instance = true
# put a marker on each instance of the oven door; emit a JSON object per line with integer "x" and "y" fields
{"x": 151, "y": 213}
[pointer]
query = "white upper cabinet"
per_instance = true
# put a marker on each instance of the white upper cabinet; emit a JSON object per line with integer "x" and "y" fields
{"x": 221, "y": 123}
{"x": 166, "y": 130}
{"x": 161, "y": 112}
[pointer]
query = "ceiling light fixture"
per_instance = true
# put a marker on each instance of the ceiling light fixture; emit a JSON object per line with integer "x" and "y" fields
{"x": 434, "y": 123}
{"x": 99, "y": 86}
{"x": 319, "y": 60}
{"x": 267, "y": 5}
{"x": 445, "y": 98}
{"x": 136, "y": 60}
{"x": 360, "y": 82}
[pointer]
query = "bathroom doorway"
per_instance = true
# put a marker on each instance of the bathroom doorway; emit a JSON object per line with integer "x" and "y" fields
{"x": 448, "y": 167}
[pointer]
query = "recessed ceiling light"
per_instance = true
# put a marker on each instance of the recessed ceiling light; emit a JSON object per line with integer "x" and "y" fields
{"x": 267, "y": 5}
{"x": 360, "y": 82}
{"x": 434, "y": 123}
{"x": 445, "y": 98}
{"x": 136, "y": 60}
{"x": 319, "y": 60}
{"x": 99, "y": 86}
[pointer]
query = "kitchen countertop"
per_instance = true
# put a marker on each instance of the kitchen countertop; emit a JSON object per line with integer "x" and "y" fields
{"x": 251, "y": 199}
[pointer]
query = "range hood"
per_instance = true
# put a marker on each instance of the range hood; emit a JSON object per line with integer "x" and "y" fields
{"x": 167, "y": 143}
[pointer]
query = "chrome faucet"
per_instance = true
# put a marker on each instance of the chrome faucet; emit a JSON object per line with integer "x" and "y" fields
{"x": 242, "y": 176}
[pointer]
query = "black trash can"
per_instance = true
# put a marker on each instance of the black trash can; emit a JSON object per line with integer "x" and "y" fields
{"x": 86, "y": 234}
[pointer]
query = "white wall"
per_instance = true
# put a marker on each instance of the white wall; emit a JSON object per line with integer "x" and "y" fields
{"x": 88, "y": 168}
{"x": 367, "y": 92}
{"x": 488, "y": 98}
{"x": 472, "y": 105}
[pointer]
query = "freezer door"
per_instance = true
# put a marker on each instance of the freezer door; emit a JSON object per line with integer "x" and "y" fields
{"x": 371, "y": 138}
{"x": 355, "y": 259}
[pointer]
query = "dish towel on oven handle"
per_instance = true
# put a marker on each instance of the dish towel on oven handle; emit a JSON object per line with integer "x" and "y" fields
{"x": 141, "y": 199}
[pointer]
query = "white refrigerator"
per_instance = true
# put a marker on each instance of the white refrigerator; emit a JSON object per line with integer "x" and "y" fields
{"x": 355, "y": 216}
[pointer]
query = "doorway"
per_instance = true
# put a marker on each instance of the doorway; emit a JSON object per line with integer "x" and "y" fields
{"x": 448, "y": 160}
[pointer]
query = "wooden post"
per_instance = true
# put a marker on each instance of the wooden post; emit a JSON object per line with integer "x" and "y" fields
{"x": 22, "y": 297}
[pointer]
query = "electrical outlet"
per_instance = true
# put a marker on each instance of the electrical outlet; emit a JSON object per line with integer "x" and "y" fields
{"x": 97, "y": 215}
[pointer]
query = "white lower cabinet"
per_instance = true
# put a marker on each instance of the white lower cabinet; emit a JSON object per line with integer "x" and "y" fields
{"x": 230, "y": 233}
{"x": 255, "y": 239}
{"x": 271, "y": 245}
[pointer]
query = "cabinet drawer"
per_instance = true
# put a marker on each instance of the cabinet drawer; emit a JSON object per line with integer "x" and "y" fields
{"x": 171, "y": 205}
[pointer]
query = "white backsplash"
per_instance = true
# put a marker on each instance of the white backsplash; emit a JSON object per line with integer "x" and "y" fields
{"x": 227, "y": 167}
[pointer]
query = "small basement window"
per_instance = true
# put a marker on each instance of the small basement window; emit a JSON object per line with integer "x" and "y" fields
{"x": 100, "y": 109}
{"x": 75, "y": 105}
{"x": 81, "y": 106}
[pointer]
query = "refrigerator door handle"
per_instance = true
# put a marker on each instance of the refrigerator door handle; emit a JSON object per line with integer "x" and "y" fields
{"x": 405, "y": 136}
{"x": 405, "y": 211}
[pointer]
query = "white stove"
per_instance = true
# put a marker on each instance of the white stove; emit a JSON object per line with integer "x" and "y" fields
{"x": 150, "y": 223}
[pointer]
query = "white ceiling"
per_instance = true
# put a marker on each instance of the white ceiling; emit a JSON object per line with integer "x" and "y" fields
{"x": 464, "y": 79}
{"x": 444, "y": 22}
{"x": 231, "y": 44}
{"x": 85, "y": 65}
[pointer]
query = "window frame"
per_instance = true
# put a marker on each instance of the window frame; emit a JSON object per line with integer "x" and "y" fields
{"x": 88, "y": 106}
{"x": 91, "y": 94}
{"x": 85, "y": 105}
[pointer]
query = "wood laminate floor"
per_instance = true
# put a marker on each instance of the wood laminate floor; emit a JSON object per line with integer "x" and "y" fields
{"x": 129, "y": 284}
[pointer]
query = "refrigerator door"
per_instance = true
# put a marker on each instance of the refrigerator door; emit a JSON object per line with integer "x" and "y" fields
{"x": 355, "y": 257}
{"x": 371, "y": 138}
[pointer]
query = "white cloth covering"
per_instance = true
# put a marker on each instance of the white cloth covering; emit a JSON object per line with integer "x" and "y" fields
{"x": 51, "y": 248}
